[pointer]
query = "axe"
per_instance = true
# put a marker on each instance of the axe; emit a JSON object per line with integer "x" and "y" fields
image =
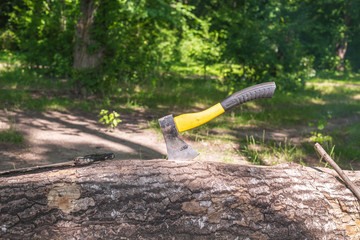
{"x": 170, "y": 126}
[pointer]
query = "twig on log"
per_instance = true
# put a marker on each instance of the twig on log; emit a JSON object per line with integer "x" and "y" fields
{"x": 78, "y": 161}
{"x": 336, "y": 167}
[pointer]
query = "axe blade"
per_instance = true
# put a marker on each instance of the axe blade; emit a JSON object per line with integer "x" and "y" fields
{"x": 177, "y": 149}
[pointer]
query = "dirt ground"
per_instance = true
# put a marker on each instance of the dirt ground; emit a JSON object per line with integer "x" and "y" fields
{"x": 55, "y": 137}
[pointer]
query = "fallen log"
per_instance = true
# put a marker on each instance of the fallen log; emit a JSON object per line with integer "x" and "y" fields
{"x": 158, "y": 199}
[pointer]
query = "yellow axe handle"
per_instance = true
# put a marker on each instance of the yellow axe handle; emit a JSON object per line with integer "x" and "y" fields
{"x": 190, "y": 120}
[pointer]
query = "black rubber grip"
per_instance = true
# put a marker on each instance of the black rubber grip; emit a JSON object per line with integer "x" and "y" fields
{"x": 262, "y": 90}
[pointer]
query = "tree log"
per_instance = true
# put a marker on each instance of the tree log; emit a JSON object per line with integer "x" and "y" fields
{"x": 159, "y": 199}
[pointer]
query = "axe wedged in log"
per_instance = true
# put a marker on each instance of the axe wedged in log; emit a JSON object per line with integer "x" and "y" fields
{"x": 177, "y": 149}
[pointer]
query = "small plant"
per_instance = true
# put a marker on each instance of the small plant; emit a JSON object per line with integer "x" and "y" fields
{"x": 317, "y": 136}
{"x": 110, "y": 120}
{"x": 321, "y": 138}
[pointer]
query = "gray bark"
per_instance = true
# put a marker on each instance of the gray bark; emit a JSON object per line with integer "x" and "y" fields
{"x": 161, "y": 199}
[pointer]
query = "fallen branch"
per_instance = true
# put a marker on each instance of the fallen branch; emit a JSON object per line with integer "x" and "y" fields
{"x": 78, "y": 161}
{"x": 336, "y": 167}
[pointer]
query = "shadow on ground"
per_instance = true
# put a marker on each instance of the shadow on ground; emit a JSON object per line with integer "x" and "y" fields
{"x": 54, "y": 137}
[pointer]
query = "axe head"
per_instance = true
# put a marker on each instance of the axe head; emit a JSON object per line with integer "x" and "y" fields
{"x": 177, "y": 149}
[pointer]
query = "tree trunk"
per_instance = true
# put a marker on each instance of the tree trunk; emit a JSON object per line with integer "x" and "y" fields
{"x": 161, "y": 199}
{"x": 341, "y": 46}
{"x": 83, "y": 59}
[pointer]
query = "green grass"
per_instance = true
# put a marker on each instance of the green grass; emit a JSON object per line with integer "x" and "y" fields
{"x": 346, "y": 140}
{"x": 261, "y": 152}
{"x": 11, "y": 136}
{"x": 23, "y": 88}
{"x": 327, "y": 97}
{"x": 214, "y": 71}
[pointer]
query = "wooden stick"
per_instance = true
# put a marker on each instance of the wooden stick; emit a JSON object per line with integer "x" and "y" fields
{"x": 333, "y": 164}
{"x": 78, "y": 161}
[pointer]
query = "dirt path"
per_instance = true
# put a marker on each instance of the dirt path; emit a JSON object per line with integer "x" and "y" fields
{"x": 54, "y": 137}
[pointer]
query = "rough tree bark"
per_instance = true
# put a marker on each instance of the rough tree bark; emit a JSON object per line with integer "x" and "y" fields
{"x": 161, "y": 199}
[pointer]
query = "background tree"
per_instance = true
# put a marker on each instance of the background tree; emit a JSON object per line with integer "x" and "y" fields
{"x": 44, "y": 31}
{"x": 104, "y": 43}
{"x": 84, "y": 58}
{"x": 331, "y": 25}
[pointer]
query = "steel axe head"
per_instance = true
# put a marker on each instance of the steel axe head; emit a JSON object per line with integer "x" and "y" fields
{"x": 177, "y": 149}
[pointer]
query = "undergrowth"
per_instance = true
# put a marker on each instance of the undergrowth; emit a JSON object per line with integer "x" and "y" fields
{"x": 269, "y": 152}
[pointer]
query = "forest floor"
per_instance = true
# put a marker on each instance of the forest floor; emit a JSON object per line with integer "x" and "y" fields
{"x": 43, "y": 121}
{"x": 55, "y": 136}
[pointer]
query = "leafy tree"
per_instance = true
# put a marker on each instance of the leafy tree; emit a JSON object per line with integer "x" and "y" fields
{"x": 8, "y": 39}
{"x": 45, "y": 30}
{"x": 141, "y": 39}
{"x": 198, "y": 44}
{"x": 331, "y": 26}
{"x": 261, "y": 36}
{"x": 103, "y": 43}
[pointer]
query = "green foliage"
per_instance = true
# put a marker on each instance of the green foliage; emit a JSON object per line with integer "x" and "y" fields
{"x": 319, "y": 136}
{"x": 199, "y": 44}
{"x": 45, "y": 32}
{"x": 8, "y": 39}
{"x": 140, "y": 41}
{"x": 347, "y": 139}
{"x": 111, "y": 120}
{"x": 329, "y": 26}
{"x": 263, "y": 38}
